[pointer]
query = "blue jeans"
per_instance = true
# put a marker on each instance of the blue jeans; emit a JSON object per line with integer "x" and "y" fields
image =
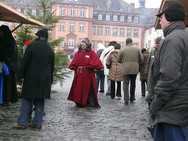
{"x": 169, "y": 132}
{"x": 26, "y": 106}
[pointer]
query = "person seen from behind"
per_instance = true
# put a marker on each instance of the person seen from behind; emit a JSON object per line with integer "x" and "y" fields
{"x": 130, "y": 58}
{"x": 143, "y": 75}
{"x": 115, "y": 71}
{"x": 100, "y": 72}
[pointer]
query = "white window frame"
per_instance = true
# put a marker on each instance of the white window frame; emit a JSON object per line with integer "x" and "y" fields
{"x": 107, "y": 17}
{"x": 82, "y": 12}
{"x": 72, "y": 27}
{"x": 136, "y": 19}
{"x": 129, "y": 32}
{"x": 122, "y": 32}
{"x": 62, "y": 11}
{"x": 107, "y": 31}
{"x": 100, "y": 17}
{"x": 82, "y": 27}
{"x": 61, "y": 26}
{"x": 71, "y": 42}
{"x": 129, "y": 19}
{"x": 122, "y": 18}
{"x": 100, "y": 30}
{"x": 115, "y": 31}
{"x": 136, "y": 33}
{"x": 72, "y": 12}
{"x": 115, "y": 18}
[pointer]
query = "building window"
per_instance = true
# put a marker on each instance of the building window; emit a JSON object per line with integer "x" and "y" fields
{"x": 71, "y": 27}
{"x": 82, "y": 12}
{"x": 10, "y": 25}
{"x": 129, "y": 34}
{"x": 34, "y": 12}
{"x": 93, "y": 30}
{"x": 92, "y": 44}
{"x": 115, "y": 18}
{"x": 107, "y": 31}
{"x": 62, "y": 26}
{"x": 100, "y": 17}
{"x": 61, "y": 44}
{"x": 71, "y": 43}
{"x": 107, "y": 17}
{"x": 72, "y": 13}
{"x": 62, "y": 11}
{"x": 99, "y": 42}
{"x": 122, "y": 18}
{"x": 30, "y": 10}
{"x": 129, "y": 19}
{"x": 136, "y": 32}
{"x": 122, "y": 32}
{"x": 136, "y": 19}
{"x": 81, "y": 27}
{"x": 122, "y": 44}
{"x": 22, "y": 10}
{"x": 100, "y": 30}
{"x": 106, "y": 43}
{"x": 135, "y": 44}
{"x": 114, "y": 31}
{"x": 21, "y": 1}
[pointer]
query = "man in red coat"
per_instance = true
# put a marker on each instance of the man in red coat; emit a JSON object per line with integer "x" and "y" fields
{"x": 84, "y": 89}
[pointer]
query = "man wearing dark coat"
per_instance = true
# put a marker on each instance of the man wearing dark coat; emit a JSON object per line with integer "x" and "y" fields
{"x": 169, "y": 77}
{"x": 36, "y": 70}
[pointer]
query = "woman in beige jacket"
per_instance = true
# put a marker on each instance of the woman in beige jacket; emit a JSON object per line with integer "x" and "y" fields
{"x": 115, "y": 72}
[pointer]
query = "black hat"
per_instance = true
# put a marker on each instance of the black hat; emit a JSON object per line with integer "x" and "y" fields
{"x": 42, "y": 33}
{"x": 174, "y": 11}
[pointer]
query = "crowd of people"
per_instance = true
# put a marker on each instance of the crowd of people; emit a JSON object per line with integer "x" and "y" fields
{"x": 163, "y": 74}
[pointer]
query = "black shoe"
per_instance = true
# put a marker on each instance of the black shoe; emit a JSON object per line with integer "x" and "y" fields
{"x": 101, "y": 91}
{"x": 107, "y": 93}
{"x": 132, "y": 99}
{"x": 35, "y": 126}
{"x": 151, "y": 130}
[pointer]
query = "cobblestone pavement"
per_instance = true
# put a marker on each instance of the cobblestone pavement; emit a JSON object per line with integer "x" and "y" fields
{"x": 63, "y": 121}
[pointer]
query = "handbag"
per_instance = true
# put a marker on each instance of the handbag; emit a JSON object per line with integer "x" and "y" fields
{"x": 108, "y": 65}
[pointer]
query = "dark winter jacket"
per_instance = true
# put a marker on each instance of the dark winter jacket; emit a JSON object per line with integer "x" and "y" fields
{"x": 37, "y": 70}
{"x": 169, "y": 74}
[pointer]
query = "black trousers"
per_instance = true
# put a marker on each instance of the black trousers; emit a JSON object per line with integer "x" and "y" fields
{"x": 118, "y": 90}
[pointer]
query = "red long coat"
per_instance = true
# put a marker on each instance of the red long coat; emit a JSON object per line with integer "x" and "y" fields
{"x": 84, "y": 65}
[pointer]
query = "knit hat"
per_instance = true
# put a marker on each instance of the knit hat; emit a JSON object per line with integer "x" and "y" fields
{"x": 86, "y": 40}
{"x": 42, "y": 33}
{"x": 129, "y": 40}
{"x": 174, "y": 11}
